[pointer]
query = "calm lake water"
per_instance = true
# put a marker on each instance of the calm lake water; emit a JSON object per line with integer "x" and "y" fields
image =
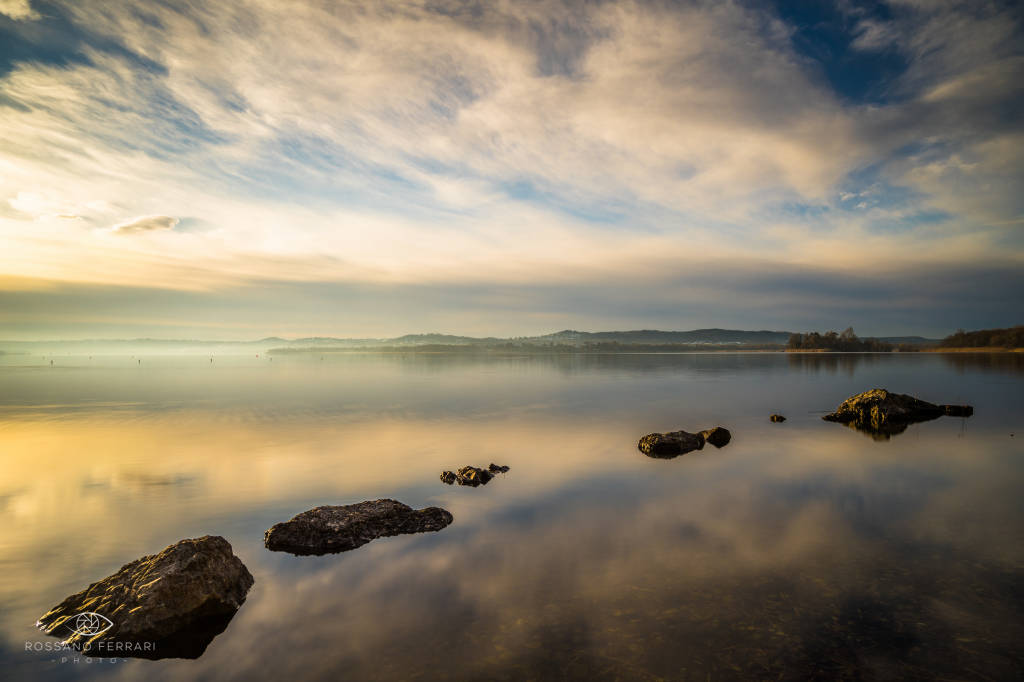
{"x": 800, "y": 550}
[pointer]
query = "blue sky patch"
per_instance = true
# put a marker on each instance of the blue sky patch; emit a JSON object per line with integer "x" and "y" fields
{"x": 824, "y": 33}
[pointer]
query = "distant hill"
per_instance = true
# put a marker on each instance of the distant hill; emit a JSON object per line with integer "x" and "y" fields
{"x": 568, "y": 337}
{"x": 654, "y": 336}
{"x": 406, "y": 340}
{"x": 442, "y": 339}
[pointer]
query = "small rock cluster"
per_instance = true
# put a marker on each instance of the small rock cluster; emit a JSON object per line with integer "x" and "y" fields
{"x": 472, "y": 476}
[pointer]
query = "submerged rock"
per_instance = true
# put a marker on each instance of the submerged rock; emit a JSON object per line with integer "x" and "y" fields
{"x": 777, "y": 418}
{"x": 718, "y": 436}
{"x": 882, "y": 414}
{"x": 166, "y": 605}
{"x": 331, "y": 529}
{"x": 473, "y": 476}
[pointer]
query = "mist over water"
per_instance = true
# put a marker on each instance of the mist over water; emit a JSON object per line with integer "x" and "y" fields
{"x": 801, "y": 549}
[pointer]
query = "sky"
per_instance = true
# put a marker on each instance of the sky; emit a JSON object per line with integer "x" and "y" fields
{"x": 241, "y": 169}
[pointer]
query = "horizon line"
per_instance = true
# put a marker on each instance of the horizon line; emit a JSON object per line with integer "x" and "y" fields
{"x": 444, "y": 334}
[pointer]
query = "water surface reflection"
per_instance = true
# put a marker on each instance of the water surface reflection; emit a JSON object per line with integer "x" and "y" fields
{"x": 800, "y": 550}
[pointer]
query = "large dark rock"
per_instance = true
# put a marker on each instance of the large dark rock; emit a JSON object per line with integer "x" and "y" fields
{"x": 882, "y": 414}
{"x": 327, "y": 530}
{"x": 166, "y": 605}
{"x": 473, "y": 476}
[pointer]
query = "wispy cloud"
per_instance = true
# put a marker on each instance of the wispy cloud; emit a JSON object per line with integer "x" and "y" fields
{"x": 150, "y": 223}
{"x": 521, "y": 141}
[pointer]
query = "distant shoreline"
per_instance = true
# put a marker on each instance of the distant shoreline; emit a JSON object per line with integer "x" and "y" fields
{"x": 625, "y": 349}
{"x": 921, "y": 349}
{"x": 622, "y": 350}
{"x": 975, "y": 349}
{"x": 521, "y": 351}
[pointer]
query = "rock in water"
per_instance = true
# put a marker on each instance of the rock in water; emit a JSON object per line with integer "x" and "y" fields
{"x": 882, "y": 414}
{"x": 166, "y": 605}
{"x": 327, "y": 530}
{"x": 472, "y": 476}
{"x": 777, "y": 418}
{"x": 718, "y": 436}
{"x": 671, "y": 444}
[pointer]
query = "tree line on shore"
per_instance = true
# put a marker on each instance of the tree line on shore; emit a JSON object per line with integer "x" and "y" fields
{"x": 845, "y": 341}
{"x": 1012, "y": 337}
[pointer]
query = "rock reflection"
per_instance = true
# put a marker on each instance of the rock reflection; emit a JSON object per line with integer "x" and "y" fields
{"x": 832, "y": 363}
{"x": 884, "y": 433}
{"x": 190, "y": 644}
